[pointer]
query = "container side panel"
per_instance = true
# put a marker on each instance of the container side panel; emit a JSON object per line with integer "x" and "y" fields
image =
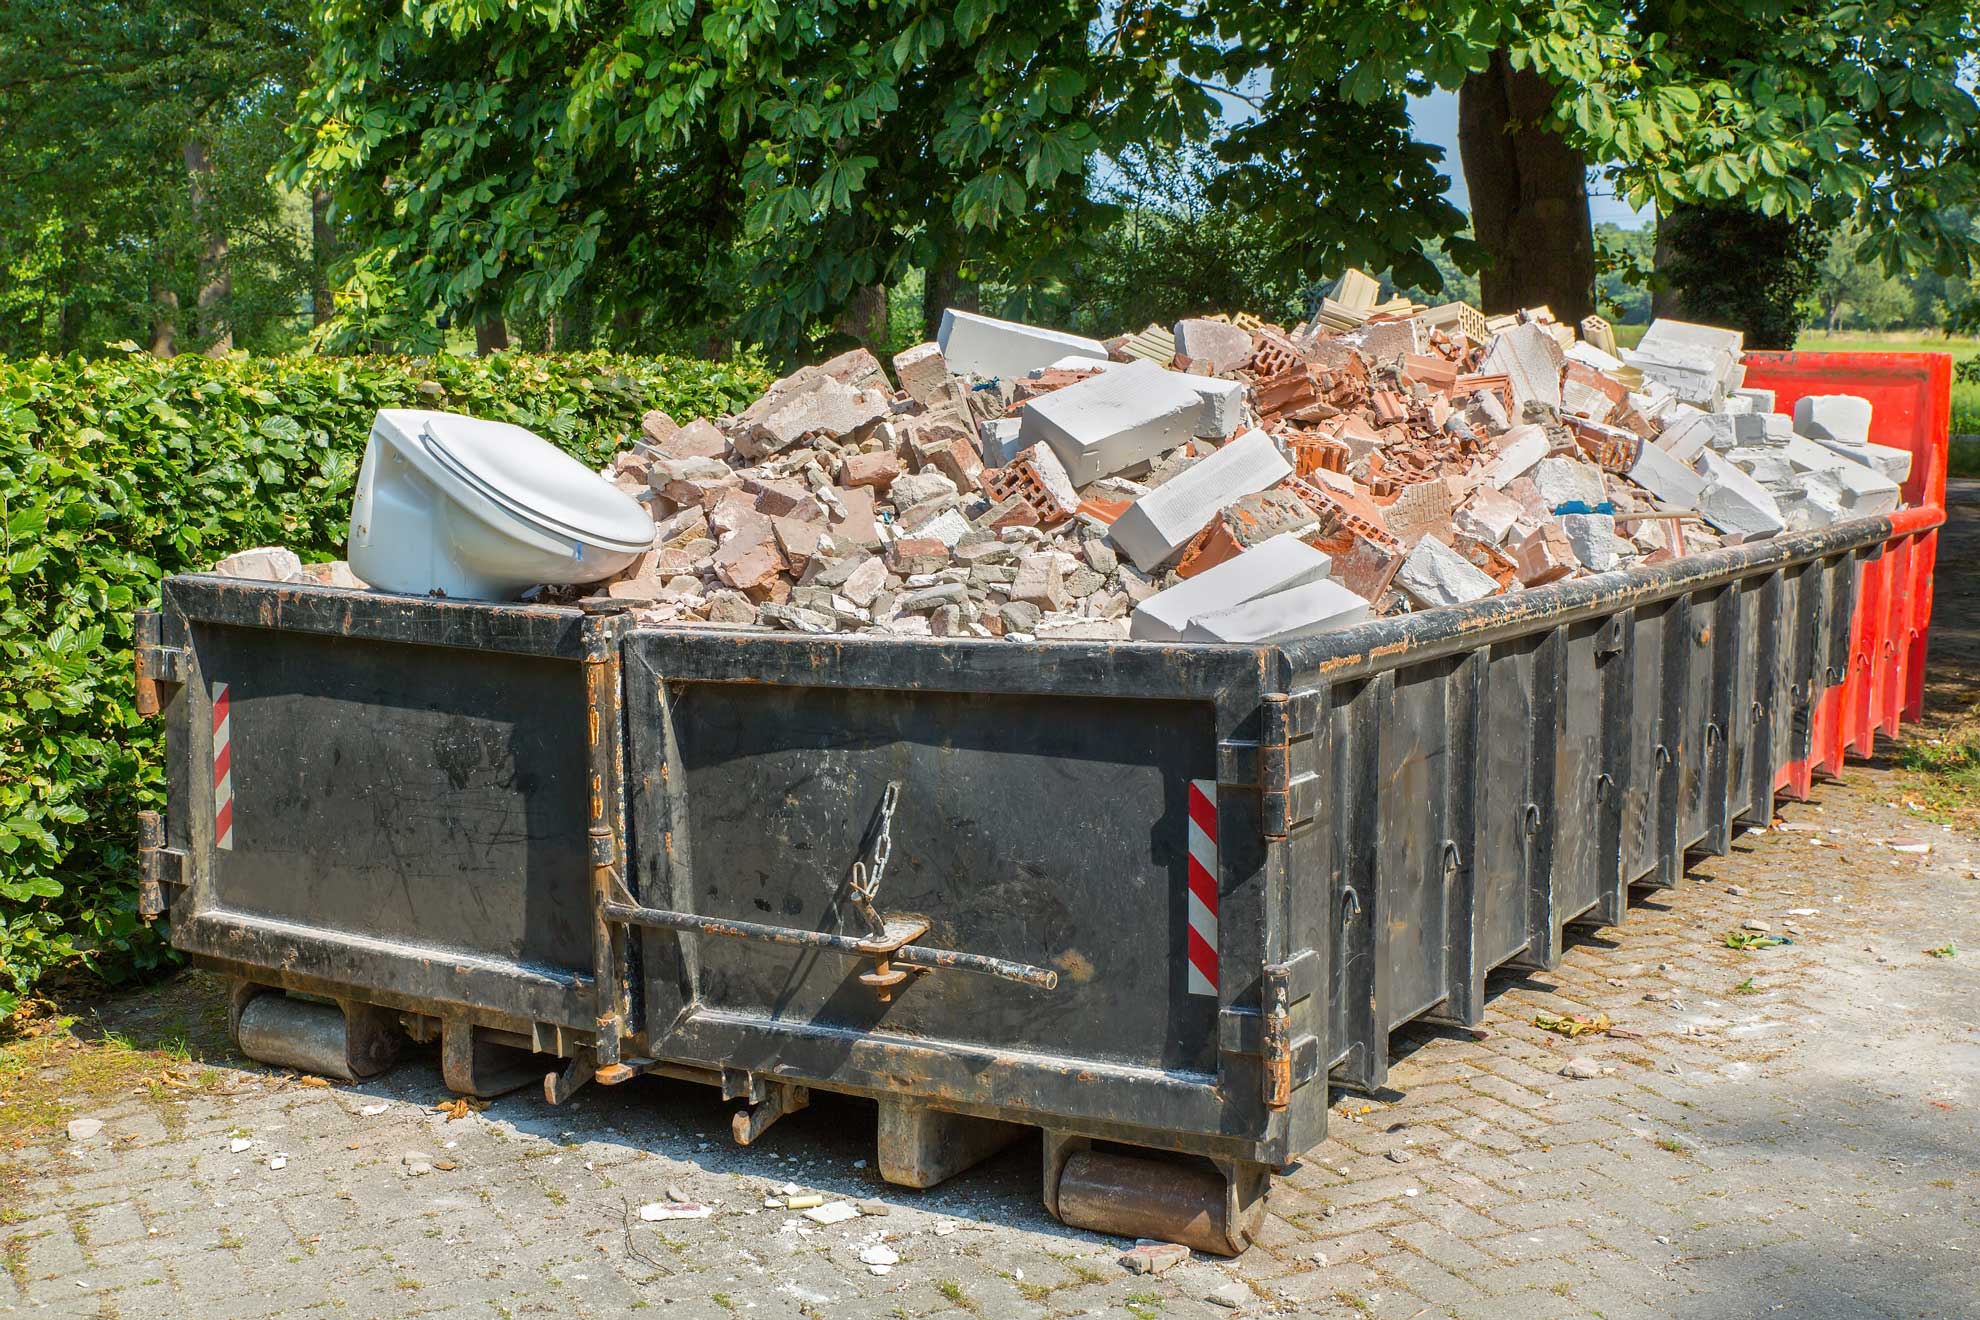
{"x": 1578, "y": 869}
{"x": 400, "y": 794}
{"x": 1052, "y": 832}
{"x": 1697, "y": 744}
{"x": 1502, "y": 892}
{"x": 1641, "y": 844}
{"x": 1410, "y": 835}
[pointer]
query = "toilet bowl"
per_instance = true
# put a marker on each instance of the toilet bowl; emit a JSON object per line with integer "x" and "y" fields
{"x": 482, "y": 510}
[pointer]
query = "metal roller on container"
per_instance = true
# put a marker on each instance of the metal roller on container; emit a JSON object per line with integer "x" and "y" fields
{"x": 1153, "y": 900}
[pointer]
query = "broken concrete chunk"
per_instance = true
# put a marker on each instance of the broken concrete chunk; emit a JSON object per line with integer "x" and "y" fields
{"x": 923, "y": 373}
{"x": 1531, "y": 359}
{"x": 1568, "y": 481}
{"x": 1519, "y": 449}
{"x": 1113, "y": 421}
{"x": 1278, "y": 564}
{"x": 1161, "y": 523}
{"x": 1545, "y": 555}
{"x": 1672, "y": 481}
{"x": 1301, "y": 611}
{"x": 1220, "y": 346}
{"x": 267, "y": 563}
{"x": 1734, "y": 502}
{"x": 1844, "y": 418}
{"x": 985, "y": 346}
{"x": 1487, "y": 516}
{"x": 1434, "y": 574}
{"x": 1593, "y": 539}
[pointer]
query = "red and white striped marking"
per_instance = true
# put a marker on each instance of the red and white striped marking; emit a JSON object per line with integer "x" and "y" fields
{"x": 223, "y": 770}
{"x": 1203, "y": 887}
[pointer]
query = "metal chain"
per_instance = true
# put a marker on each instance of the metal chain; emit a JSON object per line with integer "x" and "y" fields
{"x": 865, "y": 882}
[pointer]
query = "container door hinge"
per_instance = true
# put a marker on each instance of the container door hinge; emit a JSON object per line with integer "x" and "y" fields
{"x": 156, "y": 662}
{"x": 1288, "y": 781}
{"x": 158, "y": 866}
{"x": 1290, "y": 1060}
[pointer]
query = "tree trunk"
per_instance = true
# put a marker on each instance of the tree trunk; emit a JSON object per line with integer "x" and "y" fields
{"x": 490, "y": 334}
{"x": 944, "y": 288}
{"x": 216, "y": 285}
{"x": 164, "y": 322}
{"x": 322, "y": 250}
{"x": 1666, "y": 299}
{"x": 1529, "y": 195}
{"x": 865, "y": 318}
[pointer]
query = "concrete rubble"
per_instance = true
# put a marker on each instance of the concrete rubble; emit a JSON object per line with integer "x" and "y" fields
{"x": 1221, "y": 480}
{"x": 1226, "y": 479}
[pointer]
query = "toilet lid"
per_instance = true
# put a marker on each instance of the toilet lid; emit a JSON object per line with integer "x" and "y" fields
{"x": 537, "y": 482}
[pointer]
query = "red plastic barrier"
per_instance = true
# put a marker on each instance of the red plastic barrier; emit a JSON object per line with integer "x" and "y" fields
{"x": 1911, "y": 408}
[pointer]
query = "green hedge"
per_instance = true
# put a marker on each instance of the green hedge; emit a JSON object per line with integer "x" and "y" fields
{"x": 117, "y": 472}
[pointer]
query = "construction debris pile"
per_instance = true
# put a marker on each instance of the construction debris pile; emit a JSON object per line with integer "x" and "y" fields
{"x": 1226, "y": 480}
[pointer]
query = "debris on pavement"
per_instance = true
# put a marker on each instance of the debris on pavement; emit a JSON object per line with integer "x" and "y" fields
{"x": 82, "y": 1129}
{"x": 1148, "y": 1257}
{"x": 655, "y": 1211}
{"x": 1749, "y": 940}
{"x": 832, "y": 1212}
{"x": 1945, "y": 950}
{"x": 1581, "y": 1069}
{"x": 1573, "y": 1025}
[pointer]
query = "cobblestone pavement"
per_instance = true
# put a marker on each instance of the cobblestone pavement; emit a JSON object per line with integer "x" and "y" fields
{"x": 1793, "y": 1131}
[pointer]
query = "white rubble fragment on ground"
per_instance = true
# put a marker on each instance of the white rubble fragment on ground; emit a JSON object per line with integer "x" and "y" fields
{"x": 82, "y": 1129}
{"x": 832, "y": 1212}
{"x": 656, "y": 1211}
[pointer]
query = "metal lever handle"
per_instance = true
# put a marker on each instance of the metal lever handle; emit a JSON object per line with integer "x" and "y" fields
{"x": 909, "y": 955}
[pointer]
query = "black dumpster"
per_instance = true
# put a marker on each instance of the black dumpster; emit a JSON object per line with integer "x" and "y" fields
{"x": 1150, "y": 899}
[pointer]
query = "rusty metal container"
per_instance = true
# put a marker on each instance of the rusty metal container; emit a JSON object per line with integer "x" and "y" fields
{"x": 1153, "y": 900}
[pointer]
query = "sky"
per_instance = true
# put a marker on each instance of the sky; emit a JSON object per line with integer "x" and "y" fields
{"x": 1435, "y": 119}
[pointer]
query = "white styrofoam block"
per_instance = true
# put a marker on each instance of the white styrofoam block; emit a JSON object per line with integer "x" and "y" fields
{"x": 1665, "y": 476}
{"x": 1734, "y": 502}
{"x": 1161, "y": 522}
{"x": 1755, "y": 400}
{"x": 1223, "y": 400}
{"x": 1114, "y": 420}
{"x": 985, "y": 346}
{"x": 1841, "y": 417}
{"x": 1520, "y": 449}
{"x": 1275, "y": 565}
{"x": 1434, "y": 574}
{"x": 1302, "y": 611}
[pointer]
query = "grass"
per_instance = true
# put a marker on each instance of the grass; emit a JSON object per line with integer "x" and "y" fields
{"x": 1944, "y": 773}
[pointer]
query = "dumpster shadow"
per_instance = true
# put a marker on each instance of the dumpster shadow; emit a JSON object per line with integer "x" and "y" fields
{"x": 828, "y": 1147}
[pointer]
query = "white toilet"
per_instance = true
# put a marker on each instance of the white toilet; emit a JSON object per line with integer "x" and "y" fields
{"x": 483, "y": 510}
